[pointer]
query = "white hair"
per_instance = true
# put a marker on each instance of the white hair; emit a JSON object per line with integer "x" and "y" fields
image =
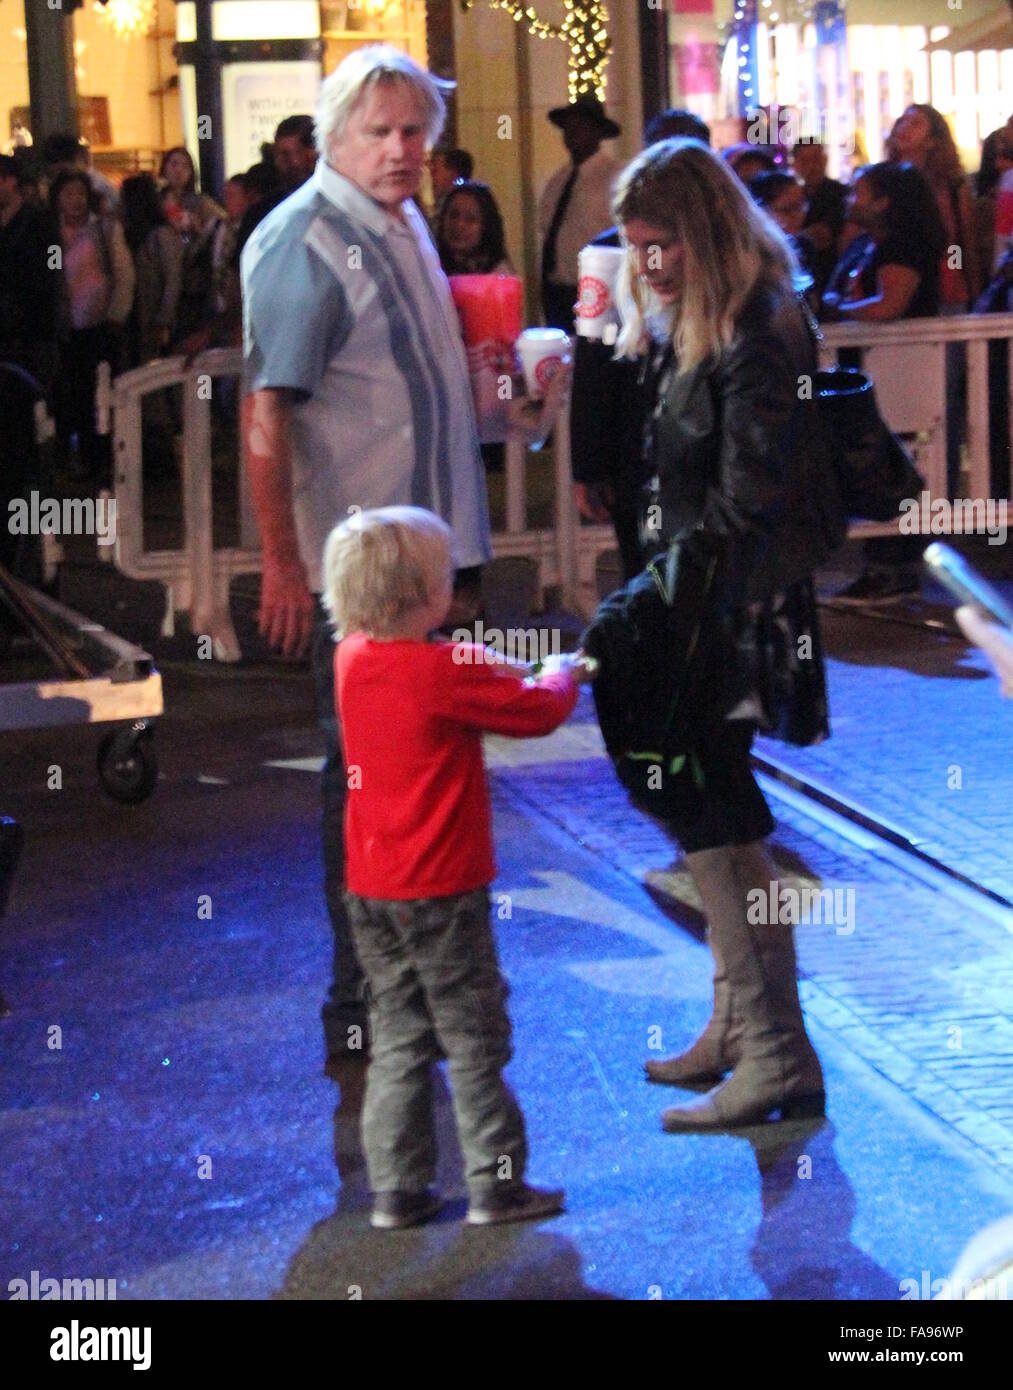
{"x": 354, "y": 78}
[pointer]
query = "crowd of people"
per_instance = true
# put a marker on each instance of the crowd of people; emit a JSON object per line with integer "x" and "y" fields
{"x": 151, "y": 267}
{"x": 92, "y": 271}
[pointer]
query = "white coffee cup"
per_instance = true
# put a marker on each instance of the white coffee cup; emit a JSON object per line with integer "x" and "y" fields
{"x": 598, "y": 272}
{"x": 541, "y": 351}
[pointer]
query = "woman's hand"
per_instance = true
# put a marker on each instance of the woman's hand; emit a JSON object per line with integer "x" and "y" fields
{"x": 531, "y": 419}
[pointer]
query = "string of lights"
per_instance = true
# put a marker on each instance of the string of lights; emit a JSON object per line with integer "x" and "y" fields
{"x": 584, "y": 30}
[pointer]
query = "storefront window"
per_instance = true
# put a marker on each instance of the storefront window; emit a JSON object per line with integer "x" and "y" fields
{"x": 14, "y": 116}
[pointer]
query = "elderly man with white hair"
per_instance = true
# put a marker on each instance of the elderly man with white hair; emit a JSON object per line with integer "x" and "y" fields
{"x": 356, "y": 395}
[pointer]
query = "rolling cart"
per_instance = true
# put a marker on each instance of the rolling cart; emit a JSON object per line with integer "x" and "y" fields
{"x": 99, "y": 679}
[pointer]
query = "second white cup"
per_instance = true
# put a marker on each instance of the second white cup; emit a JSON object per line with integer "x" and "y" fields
{"x": 598, "y": 269}
{"x": 541, "y": 351}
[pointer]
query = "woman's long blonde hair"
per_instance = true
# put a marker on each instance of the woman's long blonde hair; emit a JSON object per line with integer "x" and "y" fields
{"x": 730, "y": 247}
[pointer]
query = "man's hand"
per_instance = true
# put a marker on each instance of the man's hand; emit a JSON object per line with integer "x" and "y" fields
{"x": 995, "y": 641}
{"x": 286, "y": 610}
{"x": 531, "y": 420}
{"x": 286, "y": 604}
{"x": 594, "y": 500}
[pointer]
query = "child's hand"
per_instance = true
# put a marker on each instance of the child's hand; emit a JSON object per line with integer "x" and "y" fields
{"x": 577, "y": 665}
{"x": 585, "y": 668}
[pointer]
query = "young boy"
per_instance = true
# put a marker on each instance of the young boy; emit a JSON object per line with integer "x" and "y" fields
{"x": 419, "y": 863}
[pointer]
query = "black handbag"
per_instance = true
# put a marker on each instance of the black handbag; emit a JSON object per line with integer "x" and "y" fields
{"x": 650, "y": 639}
{"x": 875, "y": 473}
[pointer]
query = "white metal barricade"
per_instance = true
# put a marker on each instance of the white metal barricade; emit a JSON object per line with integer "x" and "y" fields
{"x": 907, "y": 361}
{"x": 196, "y": 577}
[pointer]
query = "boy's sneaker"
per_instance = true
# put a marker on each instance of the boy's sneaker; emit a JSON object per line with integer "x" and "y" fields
{"x": 395, "y": 1211}
{"x": 515, "y": 1203}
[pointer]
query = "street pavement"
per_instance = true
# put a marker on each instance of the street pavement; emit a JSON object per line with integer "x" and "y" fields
{"x": 176, "y": 1133}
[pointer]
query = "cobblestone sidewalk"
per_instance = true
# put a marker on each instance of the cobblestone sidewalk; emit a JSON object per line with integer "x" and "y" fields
{"x": 916, "y": 984}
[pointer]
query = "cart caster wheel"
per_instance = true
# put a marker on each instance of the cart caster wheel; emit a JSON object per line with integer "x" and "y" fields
{"x": 127, "y": 765}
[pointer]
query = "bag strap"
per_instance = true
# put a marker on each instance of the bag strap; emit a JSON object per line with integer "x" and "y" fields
{"x": 815, "y": 332}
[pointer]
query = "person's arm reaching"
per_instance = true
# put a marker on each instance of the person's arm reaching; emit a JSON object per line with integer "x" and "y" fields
{"x": 485, "y": 694}
{"x": 286, "y": 604}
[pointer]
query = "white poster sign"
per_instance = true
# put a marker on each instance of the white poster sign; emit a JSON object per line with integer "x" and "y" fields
{"x": 255, "y": 97}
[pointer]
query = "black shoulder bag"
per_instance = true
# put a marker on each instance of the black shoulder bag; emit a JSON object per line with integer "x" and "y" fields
{"x": 650, "y": 640}
{"x": 875, "y": 473}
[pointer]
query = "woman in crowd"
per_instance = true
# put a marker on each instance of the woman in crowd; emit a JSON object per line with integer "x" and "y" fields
{"x": 469, "y": 232}
{"x": 195, "y": 217}
{"x": 471, "y": 241}
{"x": 889, "y": 271}
{"x": 921, "y": 137}
{"x": 98, "y": 277}
{"x": 746, "y": 160}
{"x": 740, "y": 485}
{"x": 158, "y": 251}
{"x": 782, "y": 196}
{"x": 994, "y": 206}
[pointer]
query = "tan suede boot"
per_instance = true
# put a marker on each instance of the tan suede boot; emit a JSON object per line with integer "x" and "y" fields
{"x": 778, "y": 1071}
{"x": 716, "y": 1051}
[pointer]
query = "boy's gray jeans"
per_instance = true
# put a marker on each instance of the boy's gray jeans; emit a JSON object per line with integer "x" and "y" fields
{"x": 434, "y": 982}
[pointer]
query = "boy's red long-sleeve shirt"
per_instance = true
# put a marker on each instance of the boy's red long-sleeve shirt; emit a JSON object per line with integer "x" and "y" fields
{"x": 418, "y": 822}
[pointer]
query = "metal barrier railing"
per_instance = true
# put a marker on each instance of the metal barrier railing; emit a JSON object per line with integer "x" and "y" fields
{"x": 907, "y": 360}
{"x": 196, "y": 576}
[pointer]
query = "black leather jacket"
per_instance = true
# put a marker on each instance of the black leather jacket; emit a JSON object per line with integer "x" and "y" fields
{"x": 741, "y": 465}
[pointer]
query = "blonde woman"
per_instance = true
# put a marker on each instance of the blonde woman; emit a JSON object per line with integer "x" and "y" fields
{"x": 741, "y": 494}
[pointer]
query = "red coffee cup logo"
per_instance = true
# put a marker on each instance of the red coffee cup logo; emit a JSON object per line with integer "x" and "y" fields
{"x": 546, "y": 370}
{"x": 592, "y": 297}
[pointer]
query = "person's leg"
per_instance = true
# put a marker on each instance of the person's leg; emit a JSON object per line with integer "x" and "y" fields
{"x": 626, "y": 521}
{"x": 716, "y": 1050}
{"x": 70, "y": 393}
{"x": 778, "y": 1070}
{"x": 398, "y": 1134}
{"x": 721, "y": 804}
{"x": 455, "y": 955}
{"x": 99, "y": 345}
{"x": 344, "y": 1011}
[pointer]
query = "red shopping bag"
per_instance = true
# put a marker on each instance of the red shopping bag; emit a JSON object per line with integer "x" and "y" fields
{"x": 490, "y": 308}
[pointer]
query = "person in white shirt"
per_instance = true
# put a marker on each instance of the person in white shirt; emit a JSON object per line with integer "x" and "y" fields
{"x": 576, "y": 204}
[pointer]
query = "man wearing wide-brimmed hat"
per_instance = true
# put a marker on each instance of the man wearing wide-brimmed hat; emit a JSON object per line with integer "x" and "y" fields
{"x": 576, "y": 203}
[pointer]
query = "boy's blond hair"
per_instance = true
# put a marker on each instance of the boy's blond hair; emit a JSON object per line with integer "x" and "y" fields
{"x": 381, "y": 564}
